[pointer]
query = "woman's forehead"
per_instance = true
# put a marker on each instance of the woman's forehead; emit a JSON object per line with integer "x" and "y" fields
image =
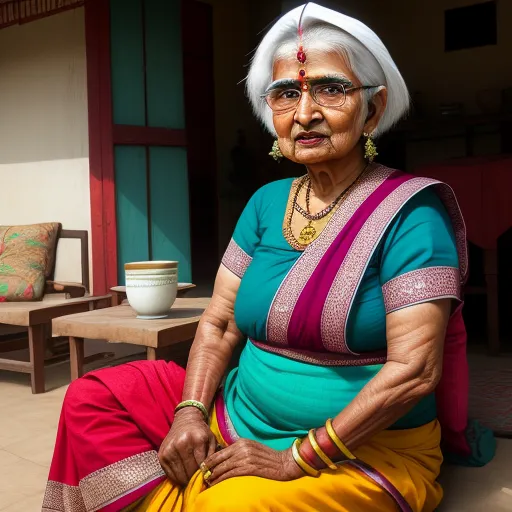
{"x": 318, "y": 64}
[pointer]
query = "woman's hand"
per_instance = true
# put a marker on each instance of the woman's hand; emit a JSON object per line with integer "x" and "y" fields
{"x": 189, "y": 442}
{"x": 249, "y": 458}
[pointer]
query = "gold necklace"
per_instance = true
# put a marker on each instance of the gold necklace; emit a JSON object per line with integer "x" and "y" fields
{"x": 297, "y": 242}
{"x": 310, "y": 233}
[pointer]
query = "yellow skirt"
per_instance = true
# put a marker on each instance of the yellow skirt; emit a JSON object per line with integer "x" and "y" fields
{"x": 409, "y": 459}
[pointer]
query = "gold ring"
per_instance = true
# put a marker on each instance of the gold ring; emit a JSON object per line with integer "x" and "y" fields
{"x": 205, "y": 470}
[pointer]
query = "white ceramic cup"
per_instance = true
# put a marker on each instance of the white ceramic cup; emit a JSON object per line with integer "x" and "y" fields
{"x": 151, "y": 287}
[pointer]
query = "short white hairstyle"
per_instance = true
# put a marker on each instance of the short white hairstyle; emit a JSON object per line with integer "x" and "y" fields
{"x": 325, "y": 30}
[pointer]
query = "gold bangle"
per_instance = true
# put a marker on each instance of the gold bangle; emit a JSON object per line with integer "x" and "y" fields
{"x": 309, "y": 470}
{"x": 337, "y": 441}
{"x": 196, "y": 404}
{"x": 321, "y": 454}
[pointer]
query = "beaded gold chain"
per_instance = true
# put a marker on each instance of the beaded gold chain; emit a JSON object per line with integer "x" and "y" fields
{"x": 309, "y": 233}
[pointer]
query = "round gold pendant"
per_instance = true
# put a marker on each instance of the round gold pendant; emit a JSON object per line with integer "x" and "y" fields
{"x": 307, "y": 235}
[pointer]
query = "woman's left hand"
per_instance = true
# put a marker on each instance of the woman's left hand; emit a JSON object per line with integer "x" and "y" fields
{"x": 249, "y": 458}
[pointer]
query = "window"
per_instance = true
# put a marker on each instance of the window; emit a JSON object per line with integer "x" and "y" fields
{"x": 470, "y": 27}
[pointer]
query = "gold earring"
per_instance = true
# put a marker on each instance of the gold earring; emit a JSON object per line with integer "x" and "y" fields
{"x": 276, "y": 151}
{"x": 370, "y": 149}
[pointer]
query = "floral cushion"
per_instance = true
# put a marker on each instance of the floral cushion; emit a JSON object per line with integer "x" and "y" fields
{"x": 27, "y": 256}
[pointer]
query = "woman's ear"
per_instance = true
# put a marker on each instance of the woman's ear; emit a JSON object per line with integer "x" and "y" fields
{"x": 371, "y": 111}
{"x": 376, "y": 109}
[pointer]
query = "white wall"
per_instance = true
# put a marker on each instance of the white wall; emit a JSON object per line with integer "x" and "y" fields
{"x": 44, "y": 165}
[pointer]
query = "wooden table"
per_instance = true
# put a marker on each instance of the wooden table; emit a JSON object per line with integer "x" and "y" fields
{"x": 36, "y": 316}
{"x": 119, "y": 324}
{"x": 119, "y": 292}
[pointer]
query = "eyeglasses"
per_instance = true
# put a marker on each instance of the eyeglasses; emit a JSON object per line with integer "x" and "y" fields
{"x": 285, "y": 98}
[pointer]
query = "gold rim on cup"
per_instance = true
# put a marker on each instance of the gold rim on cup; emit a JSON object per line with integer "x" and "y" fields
{"x": 151, "y": 265}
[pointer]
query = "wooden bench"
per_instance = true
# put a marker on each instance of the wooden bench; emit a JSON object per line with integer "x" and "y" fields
{"x": 34, "y": 318}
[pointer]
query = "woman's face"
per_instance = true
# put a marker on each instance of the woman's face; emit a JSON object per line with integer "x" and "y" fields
{"x": 311, "y": 133}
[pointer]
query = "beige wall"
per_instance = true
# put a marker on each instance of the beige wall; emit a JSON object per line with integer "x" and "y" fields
{"x": 44, "y": 167}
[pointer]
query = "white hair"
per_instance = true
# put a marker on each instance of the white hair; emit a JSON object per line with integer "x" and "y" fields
{"x": 326, "y": 30}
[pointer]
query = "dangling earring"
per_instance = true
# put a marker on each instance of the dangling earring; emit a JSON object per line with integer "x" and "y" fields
{"x": 276, "y": 151}
{"x": 370, "y": 149}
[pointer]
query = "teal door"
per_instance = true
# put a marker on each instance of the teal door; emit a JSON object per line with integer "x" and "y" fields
{"x": 152, "y": 190}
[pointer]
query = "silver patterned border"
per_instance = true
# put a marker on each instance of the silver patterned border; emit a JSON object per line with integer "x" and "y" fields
{"x": 290, "y": 289}
{"x": 104, "y": 486}
{"x": 236, "y": 259}
{"x": 62, "y": 498}
{"x": 341, "y": 295}
{"x": 321, "y": 358}
{"x": 421, "y": 285}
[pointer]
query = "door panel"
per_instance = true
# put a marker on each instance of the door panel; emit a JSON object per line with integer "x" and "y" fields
{"x": 132, "y": 206}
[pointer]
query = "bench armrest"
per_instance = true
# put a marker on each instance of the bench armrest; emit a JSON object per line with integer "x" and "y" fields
{"x": 72, "y": 290}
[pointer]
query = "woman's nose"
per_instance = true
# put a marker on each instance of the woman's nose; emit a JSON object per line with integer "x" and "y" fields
{"x": 307, "y": 110}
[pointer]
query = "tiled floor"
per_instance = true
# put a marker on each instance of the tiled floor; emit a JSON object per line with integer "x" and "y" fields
{"x": 27, "y": 431}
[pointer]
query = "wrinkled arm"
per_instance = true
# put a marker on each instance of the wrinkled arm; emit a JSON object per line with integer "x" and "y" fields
{"x": 215, "y": 340}
{"x": 190, "y": 439}
{"x": 415, "y": 341}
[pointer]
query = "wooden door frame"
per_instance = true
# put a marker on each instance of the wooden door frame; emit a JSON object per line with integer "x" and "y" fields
{"x": 101, "y": 146}
{"x": 103, "y": 136}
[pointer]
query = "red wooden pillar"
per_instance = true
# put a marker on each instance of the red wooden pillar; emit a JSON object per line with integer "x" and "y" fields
{"x": 101, "y": 152}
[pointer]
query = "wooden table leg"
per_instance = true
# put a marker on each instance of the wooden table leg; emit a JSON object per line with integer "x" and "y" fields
{"x": 76, "y": 354}
{"x": 151, "y": 354}
{"x": 36, "y": 345}
{"x": 491, "y": 278}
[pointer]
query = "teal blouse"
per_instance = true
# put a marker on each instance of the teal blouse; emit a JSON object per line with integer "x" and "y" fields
{"x": 272, "y": 399}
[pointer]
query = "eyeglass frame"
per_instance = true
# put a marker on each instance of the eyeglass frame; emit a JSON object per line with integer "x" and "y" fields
{"x": 297, "y": 85}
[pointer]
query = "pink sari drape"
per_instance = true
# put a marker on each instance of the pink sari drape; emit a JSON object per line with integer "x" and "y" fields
{"x": 109, "y": 434}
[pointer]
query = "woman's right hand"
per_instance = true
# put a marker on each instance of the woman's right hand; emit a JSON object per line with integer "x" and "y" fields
{"x": 189, "y": 442}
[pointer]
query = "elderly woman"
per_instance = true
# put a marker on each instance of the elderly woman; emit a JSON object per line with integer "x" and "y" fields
{"x": 344, "y": 284}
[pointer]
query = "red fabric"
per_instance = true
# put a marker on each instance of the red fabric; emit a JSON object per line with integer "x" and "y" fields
{"x": 452, "y": 391}
{"x": 115, "y": 413}
{"x": 483, "y": 188}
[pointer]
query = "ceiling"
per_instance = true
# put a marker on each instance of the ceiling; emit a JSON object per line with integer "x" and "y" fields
{"x": 14, "y": 12}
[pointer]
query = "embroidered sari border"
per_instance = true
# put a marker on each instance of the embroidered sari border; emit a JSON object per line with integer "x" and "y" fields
{"x": 451, "y": 204}
{"x": 379, "y": 197}
{"x": 313, "y": 317}
{"x": 288, "y": 293}
{"x": 133, "y": 496}
{"x": 113, "y": 481}
{"x": 105, "y": 486}
{"x": 344, "y": 287}
{"x": 62, "y": 498}
{"x": 323, "y": 358}
{"x": 236, "y": 259}
{"x": 421, "y": 285}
